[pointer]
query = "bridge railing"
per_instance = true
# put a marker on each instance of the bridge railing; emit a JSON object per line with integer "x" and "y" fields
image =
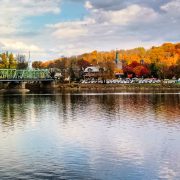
{"x": 24, "y": 74}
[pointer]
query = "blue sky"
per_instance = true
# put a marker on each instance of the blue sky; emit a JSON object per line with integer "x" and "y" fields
{"x": 69, "y": 11}
{"x": 51, "y": 29}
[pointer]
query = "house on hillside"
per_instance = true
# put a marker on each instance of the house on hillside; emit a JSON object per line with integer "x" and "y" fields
{"x": 92, "y": 72}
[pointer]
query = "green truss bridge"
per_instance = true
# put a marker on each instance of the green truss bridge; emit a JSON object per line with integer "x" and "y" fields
{"x": 27, "y": 75}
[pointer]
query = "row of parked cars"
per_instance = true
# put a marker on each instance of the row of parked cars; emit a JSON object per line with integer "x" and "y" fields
{"x": 129, "y": 81}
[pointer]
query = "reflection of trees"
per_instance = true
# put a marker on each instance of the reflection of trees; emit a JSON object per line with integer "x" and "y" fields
{"x": 10, "y": 109}
{"x": 72, "y": 105}
{"x": 167, "y": 107}
{"x": 162, "y": 106}
{"x": 64, "y": 108}
{"x": 140, "y": 108}
{"x": 17, "y": 109}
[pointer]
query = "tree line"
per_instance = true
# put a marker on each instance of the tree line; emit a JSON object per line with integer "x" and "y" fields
{"x": 9, "y": 61}
{"x": 158, "y": 62}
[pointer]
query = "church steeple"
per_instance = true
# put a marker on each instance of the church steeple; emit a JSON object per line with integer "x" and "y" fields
{"x": 117, "y": 57}
{"x": 118, "y": 62}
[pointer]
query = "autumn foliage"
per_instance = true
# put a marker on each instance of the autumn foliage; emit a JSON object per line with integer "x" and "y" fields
{"x": 162, "y": 61}
{"x": 136, "y": 69}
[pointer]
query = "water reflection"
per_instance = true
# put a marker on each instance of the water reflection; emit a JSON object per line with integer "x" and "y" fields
{"x": 95, "y": 136}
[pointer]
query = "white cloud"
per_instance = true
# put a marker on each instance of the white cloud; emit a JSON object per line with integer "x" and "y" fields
{"x": 172, "y": 7}
{"x": 100, "y": 19}
{"x": 12, "y": 13}
{"x": 131, "y": 14}
{"x": 167, "y": 171}
{"x": 70, "y": 32}
{"x": 16, "y": 46}
{"x": 70, "y": 50}
{"x": 88, "y": 5}
{"x": 8, "y": 45}
{"x": 30, "y": 7}
{"x": 72, "y": 29}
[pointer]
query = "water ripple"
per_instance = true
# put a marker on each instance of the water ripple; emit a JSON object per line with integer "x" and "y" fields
{"x": 90, "y": 136}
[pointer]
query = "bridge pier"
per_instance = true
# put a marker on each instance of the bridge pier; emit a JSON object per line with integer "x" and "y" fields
{"x": 14, "y": 86}
{"x": 5, "y": 85}
{"x": 17, "y": 85}
{"x": 47, "y": 84}
{"x": 22, "y": 86}
{"x": 41, "y": 85}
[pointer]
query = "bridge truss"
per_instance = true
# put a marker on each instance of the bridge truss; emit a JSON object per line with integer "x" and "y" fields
{"x": 25, "y": 75}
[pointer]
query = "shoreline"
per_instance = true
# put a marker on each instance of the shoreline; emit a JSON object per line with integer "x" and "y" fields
{"x": 115, "y": 88}
{"x": 75, "y": 87}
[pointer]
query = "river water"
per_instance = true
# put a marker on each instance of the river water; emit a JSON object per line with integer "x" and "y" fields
{"x": 99, "y": 136}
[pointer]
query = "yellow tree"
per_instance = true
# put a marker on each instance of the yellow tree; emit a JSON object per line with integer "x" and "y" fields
{"x": 12, "y": 61}
{"x": 5, "y": 61}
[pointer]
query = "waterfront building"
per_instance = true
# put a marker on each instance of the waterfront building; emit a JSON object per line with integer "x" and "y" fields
{"x": 92, "y": 72}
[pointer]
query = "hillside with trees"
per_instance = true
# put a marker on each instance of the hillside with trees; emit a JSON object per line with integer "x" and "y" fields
{"x": 159, "y": 62}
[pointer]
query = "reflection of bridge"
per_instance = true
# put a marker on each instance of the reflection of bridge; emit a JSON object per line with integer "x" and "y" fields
{"x": 14, "y": 75}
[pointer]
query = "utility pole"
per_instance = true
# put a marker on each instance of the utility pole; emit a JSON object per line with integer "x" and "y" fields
{"x": 29, "y": 62}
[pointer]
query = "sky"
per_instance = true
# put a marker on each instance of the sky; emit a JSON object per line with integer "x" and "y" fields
{"x": 50, "y": 29}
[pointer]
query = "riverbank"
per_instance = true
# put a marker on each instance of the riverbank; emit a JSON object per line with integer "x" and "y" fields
{"x": 76, "y": 87}
{"x": 117, "y": 87}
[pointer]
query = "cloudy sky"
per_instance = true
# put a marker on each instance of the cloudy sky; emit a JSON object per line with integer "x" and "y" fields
{"x": 55, "y": 28}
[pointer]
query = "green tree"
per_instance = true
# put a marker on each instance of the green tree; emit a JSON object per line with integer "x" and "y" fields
{"x": 154, "y": 70}
{"x": 163, "y": 69}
